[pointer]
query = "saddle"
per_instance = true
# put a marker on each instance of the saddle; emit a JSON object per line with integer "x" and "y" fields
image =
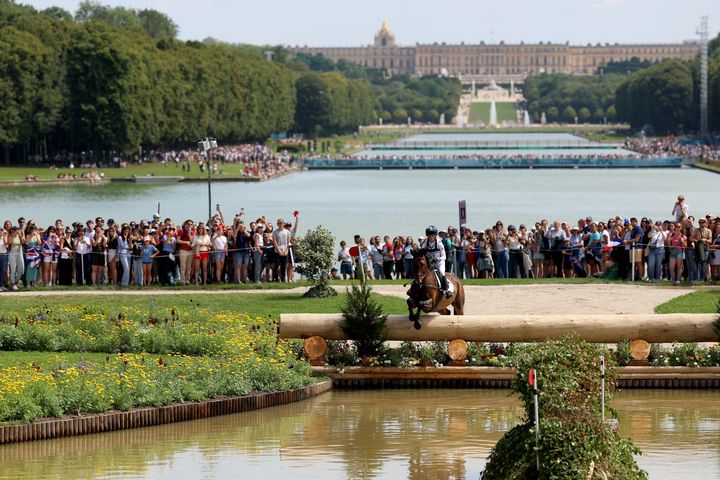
{"x": 450, "y": 286}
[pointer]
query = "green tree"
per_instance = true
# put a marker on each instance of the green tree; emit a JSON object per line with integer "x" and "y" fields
{"x": 121, "y": 17}
{"x": 316, "y": 250}
{"x": 57, "y": 13}
{"x": 584, "y": 114}
{"x": 599, "y": 115}
{"x": 157, "y": 24}
{"x": 400, "y": 116}
{"x": 569, "y": 114}
{"x": 552, "y": 114}
{"x": 611, "y": 113}
{"x": 661, "y": 96}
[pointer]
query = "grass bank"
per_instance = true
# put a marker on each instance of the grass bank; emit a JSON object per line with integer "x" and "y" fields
{"x": 702, "y": 301}
{"x": 18, "y": 173}
{"x": 710, "y": 167}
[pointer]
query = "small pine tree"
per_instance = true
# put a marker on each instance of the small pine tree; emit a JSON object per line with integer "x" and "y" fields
{"x": 364, "y": 320}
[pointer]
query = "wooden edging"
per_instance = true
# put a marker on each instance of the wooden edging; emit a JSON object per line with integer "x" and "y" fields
{"x": 146, "y": 417}
{"x": 502, "y": 377}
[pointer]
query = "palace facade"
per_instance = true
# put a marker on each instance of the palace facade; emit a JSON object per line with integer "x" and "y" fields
{"x": 496, "y": 60}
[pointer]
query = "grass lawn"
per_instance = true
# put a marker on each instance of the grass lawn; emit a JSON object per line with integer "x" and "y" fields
{"x": 702, "y": 301}
{"x": 47, "y": 359}
{"x": 710, "y": 167}
{"x": 43, "y": 173}
{"x": 255, "y": 305}
{"x": 481, "y": 112}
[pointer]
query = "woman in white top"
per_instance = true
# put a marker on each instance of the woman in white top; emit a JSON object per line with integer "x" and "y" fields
{"x": 201, "y": 246}
{"x": 3, "y": 257}
{"x": 220, "y": 247}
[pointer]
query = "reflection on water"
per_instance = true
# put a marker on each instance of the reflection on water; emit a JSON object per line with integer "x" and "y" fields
{"x": 415, "y": 434}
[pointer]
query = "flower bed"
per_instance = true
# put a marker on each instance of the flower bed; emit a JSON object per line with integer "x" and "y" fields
{"x": 434, "y": 354}
{"x": 152, "y": 359}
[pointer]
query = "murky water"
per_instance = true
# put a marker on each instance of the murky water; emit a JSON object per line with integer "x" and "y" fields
{"x": 398, "y": 434}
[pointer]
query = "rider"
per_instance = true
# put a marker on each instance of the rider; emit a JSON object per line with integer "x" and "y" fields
{"x": 434, "y": 251}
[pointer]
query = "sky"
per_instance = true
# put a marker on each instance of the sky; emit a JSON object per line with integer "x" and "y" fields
{"x": 354, "y": 22}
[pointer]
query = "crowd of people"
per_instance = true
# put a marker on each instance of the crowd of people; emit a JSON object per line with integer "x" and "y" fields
{"x": 148, "y": 251}
{"x": 252, "y": 160}
{"x": 680, "y": 248}
{"x": 673, "y": 147}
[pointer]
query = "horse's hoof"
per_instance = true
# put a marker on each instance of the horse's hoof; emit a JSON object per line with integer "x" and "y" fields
{"x": 417, "y": 325}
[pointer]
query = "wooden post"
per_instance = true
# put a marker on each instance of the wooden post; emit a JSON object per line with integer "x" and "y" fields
{"x": 315, "y": 349}
{"x": 639, "y": 351}
{"x": 457, "y": 351}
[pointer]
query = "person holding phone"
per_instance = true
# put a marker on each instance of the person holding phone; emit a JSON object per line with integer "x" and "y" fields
{"x": 281, "y": 242}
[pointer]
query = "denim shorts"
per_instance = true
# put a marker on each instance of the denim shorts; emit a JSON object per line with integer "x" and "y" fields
{"x": 346, "y": 268}
{"x": 242, "y": 258}
{"x": 217, "y": 256}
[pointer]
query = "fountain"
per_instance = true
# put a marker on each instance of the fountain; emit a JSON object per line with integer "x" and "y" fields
{"x": 526, "y": 119}
{"x": 493, "y": 114}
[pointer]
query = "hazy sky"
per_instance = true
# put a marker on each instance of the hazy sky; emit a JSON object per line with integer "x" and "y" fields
{"x": 349, "y": 23}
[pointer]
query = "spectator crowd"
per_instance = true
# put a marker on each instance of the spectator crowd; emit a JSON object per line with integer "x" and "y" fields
{"x": 148, "y": 251}
{"x": 680, "y": 248}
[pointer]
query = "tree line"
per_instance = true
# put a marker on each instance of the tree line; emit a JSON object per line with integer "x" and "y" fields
{"x": 116, "y": 79}
{"x": 665, "y": 96}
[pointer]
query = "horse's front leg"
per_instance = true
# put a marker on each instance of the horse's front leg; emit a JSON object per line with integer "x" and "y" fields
{"x": 411, "y": 316}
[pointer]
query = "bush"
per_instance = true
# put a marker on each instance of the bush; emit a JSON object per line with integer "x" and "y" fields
{"x": 573, "y": 438}
{"x": 316, "y": 250}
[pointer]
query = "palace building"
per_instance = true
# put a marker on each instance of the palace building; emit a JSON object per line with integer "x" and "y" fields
{"x": 500, "y": 60}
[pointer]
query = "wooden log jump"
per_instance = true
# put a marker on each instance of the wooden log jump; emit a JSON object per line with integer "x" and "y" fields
{"x": 517, "y": 328}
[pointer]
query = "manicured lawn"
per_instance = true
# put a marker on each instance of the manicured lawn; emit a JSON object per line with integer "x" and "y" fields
{"x": 255, "y": 305}
{"x": 702, "y": 301}
{"x": 481, "y": 112}
{"x": 44, "y": 173}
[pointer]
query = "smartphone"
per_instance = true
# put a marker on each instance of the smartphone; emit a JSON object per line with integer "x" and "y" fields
{"x": 296, "y": 213}
{"x": 217, "y": 206}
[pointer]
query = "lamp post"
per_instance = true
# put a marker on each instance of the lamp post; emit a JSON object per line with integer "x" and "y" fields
{"x": 206, "y": 146}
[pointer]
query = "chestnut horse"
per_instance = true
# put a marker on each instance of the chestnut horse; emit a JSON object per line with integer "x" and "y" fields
{"x": 425, "y": 294}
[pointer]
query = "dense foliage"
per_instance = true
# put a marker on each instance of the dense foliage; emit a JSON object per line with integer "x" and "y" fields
{"x": 152, "y": 359}
{"x": 574, "y": 441}
{"x": 399, "y": 97}
{"x": 315, "y": 249}
{"x": 563, "y": 97}
{"x": 661, "y": 95}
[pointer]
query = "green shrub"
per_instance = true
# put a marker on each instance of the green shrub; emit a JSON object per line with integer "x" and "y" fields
{"x": 572, "y": 434}
{"x": 363, "y": 320}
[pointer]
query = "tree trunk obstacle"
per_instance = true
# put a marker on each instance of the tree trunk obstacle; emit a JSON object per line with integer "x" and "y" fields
{"x": 517, "y": 328}
{"x": 458, "y": 330}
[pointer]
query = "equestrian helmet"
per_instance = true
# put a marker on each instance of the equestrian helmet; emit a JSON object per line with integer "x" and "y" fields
{"x": 431, "y": 230}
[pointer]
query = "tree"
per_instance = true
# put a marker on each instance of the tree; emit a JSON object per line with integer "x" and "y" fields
{"x": 552, "y": 114}
{"x": 569, "y": 114}
{"x": 157, "y": 24}
{"x": 599, "y": 115}
{"x": 661, "y": 96}
{"x": 363, "y": 320}
{"x": 317, "y": 254}
{"x": 118, "y": 17}
{"x": 400, "y": 116}
{"x": 57, "y": 13}
{"x": 611, "y": 113}
{"x": 584, "y": 114}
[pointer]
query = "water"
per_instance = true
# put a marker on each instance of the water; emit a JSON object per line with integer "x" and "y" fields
{"x": 419, "y": 434}
{"x": 387, "y": 202}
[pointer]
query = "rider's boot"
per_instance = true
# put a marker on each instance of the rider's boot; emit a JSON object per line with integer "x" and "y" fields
{"x": 444, "y": 286}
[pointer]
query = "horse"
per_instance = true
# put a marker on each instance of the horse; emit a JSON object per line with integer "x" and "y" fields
{"x": 425, "y": 294}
